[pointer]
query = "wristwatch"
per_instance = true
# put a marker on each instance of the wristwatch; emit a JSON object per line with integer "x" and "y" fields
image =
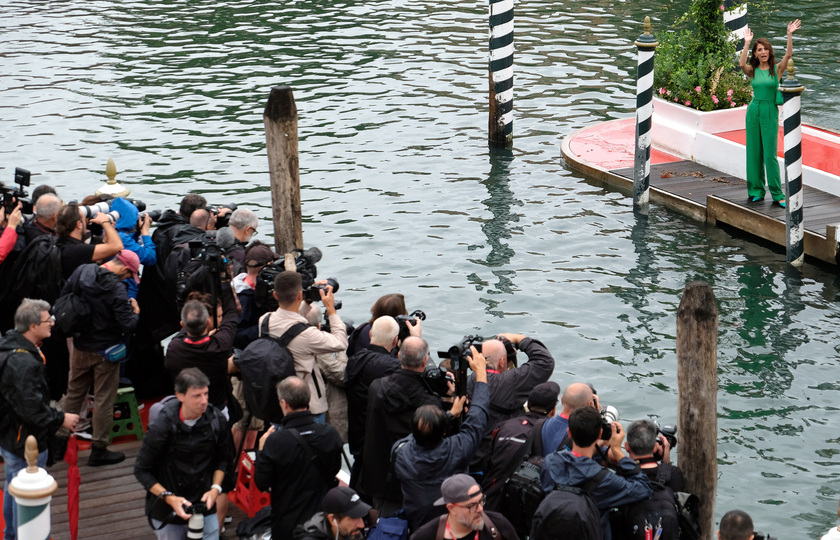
{"x": 163, "y": 495}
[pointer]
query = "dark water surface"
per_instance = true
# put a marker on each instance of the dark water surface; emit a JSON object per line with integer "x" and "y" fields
{"x": 402, "y": 194}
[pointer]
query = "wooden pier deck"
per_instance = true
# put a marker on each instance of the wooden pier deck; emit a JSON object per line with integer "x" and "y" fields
{"x": 605, "y": 153}
{"x": 111, "y": 501}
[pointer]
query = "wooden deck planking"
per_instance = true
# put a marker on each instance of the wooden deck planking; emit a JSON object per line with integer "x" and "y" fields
{"x": 111, "y": 501}
{"x": 695, "y": 182}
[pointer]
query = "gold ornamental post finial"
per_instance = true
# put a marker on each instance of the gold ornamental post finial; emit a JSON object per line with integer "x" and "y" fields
{"x": 647, "y": 25}
{"x": 790, "y": 68}
{"x": 111, "y": 187}
{"x": 111, "y": 171}
{"x": 646, "y": 40}
{"x": 30, "y": 453}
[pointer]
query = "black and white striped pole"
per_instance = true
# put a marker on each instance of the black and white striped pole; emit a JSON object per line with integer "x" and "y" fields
{"x": 791, "y": 109}
{"x": 32, "y": 489}
{"x": 644, "y": 111}
{"x": 501, "y": 72}
{"x": 735, "y": 19}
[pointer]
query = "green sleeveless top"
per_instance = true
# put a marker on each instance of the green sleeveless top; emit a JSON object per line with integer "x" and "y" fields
{"x": 764, "y": 85}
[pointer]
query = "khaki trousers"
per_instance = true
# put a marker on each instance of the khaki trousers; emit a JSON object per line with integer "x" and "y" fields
{"x": 88, "y": 368}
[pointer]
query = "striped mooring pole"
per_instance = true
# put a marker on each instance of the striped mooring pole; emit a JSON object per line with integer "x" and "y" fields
{"x": 644, "y": 111}
{"x": 794, "y": 226}
{"x": 735, "y": 19}
{"x": 32, "y": 489}
{"x": 501, "y": 73}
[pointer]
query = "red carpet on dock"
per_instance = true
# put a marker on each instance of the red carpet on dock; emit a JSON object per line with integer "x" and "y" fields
{"x": 820, "y": 148}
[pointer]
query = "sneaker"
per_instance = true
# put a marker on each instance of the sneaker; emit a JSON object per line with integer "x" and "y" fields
{"x": 85, "y": 433}
{"x": 102, "y": 456}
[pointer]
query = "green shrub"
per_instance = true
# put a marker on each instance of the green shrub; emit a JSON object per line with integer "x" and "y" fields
{"x": 695, "y": 64}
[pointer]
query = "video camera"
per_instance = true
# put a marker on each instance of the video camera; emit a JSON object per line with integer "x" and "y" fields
{"x": 221, "y": 221}
{"x": 403, "y": 320}
{"x": 458, "y": 363}
{"x": 12, "y": 196}
{"x": 305, "y": 266}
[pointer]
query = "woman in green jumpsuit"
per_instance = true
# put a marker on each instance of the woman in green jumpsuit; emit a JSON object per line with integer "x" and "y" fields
{"x": 763, "y": 114}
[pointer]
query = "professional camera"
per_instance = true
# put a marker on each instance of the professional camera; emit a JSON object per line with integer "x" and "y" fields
{"x": 609, "y": 414}
{"x": 12, "y": 196}
{"x": 436, "y": 378}
{"x": 221, "y": 221}
{"x": 195, "y": 525}
{"x": 92, "y": 210}
{"x": 458, "y": 363}
{"x": 511, "y": 350}
{"x": 305, "y": 266}
{"x": 761, "y": 536}
{"x": 403, "y": 321}
{"x": 669, "y": 432}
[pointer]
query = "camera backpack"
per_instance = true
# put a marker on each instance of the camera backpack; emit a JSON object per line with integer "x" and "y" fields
{"x": 570, "y": 513}
{"x": 265, "y": 362}
{"x": 658, "y": 512}
{"x": 36, "y": 274}
{"x": 522, "y": 491}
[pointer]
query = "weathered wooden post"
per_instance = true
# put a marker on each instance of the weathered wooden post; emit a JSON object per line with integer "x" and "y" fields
{"x": 697, "y": 331}
{"x": 281, "y": 142}
{"x": 32, "y": 489}
{"x": 111, "y": 188}
{"x": 735, "y": 19}
{"x": 646, "y": 45}
{"x": 501, "y": 72}
{"x": 794, "y": 226}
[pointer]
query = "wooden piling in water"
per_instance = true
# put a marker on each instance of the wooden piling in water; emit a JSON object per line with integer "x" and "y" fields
{"x": 501, "y": 73}
{"x": 697, "y": 331}
{"x": 281, "y": 142}
{"x": 646, "y": 45}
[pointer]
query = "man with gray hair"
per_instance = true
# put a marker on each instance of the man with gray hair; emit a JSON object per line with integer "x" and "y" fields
{"x": 46, "y": 215}
{"x": 297, "y": 460}
{"x": 243, "y": 223}
{"x": 25, "y": 398}
{"x": 364, "y": 367}
{"x": 392, "y": 402}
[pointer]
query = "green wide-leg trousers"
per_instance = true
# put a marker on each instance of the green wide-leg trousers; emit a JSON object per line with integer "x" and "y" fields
{"x": 762, "y": 145}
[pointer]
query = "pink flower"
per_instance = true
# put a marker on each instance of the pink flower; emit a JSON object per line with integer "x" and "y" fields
{"x": 715, "y": 99}
{"x": 675, "y": 100}
{"x": 669, "y": 92}
{"x": 688, "y": 103}
{"x": 729, "y": 92}
{"x": 721, "y": 7}
{"x": 661, "y": 91}
{"x": 697, "y": 89}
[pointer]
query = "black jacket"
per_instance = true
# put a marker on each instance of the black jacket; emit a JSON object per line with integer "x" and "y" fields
{"x": 111, "y": 313}
{"x": 505, "y": 530}
{"x": 509, "y": 390}
{"x": 392, "y": 401}
{"x": 363, "y": 368}
{"x": 297, "y": 485}
{"x": 209, "y": 353}
{"x": 181, "y": 458}
{"x": 315, "y": 528}
{"x": 24, "y": 396}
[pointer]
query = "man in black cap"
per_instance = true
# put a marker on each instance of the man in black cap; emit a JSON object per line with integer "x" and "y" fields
{"x": 466, "y": 517}
{"x": 506, "y": 452}
{"x": 342, "y": 517}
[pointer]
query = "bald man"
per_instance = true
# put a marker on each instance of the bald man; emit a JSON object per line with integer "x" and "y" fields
{"x": 509, "y": 388}
{"x": 575, "y": 396}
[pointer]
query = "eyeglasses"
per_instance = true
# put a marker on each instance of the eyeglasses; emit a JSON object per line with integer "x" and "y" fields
{"x": 473, "y": 507}
{"x": 51, "y": 320}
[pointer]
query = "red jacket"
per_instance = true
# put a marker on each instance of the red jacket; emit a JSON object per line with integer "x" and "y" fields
{"x": 7, "y": 242}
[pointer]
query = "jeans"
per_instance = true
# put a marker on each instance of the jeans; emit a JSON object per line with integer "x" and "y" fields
{"x": 13, "y": 465}
{"x": 179, "y": 532}
{"x": 320, "y": 418}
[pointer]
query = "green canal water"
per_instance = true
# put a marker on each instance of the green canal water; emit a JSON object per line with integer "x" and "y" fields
{"x": 402, "y": 194}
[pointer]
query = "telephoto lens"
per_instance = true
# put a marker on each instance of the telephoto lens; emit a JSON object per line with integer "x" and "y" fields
{"x": 93, "y": 209}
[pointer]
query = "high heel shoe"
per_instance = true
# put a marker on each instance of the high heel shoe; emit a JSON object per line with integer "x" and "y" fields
{"x": 782, "y": 203}
{"x": 756, "y": 199}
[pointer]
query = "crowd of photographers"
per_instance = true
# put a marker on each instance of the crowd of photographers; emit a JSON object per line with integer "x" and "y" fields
{"x": 468, "y": 443}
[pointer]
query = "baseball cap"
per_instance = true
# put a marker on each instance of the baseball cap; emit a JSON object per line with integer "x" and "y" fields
{"x": 343, "y": 500}
{"x": 456, "y": 489}
{"x": 131, "y": 261}
{"x": 260, "y": 253}
{"x": 544, "y": 396}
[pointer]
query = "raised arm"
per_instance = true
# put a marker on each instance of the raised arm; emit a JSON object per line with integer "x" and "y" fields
{"x": 791, "y": 28}
{"x": 742, "y": 60}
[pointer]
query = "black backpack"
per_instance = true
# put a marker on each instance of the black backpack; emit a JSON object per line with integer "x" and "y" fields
{"x": 36, "y": 272}
{"x": 570, "y": 513}
{"x": 265, "y": 362}
{"x": 522, "y": 491}
{"x": 660, "y": 510}
{"x": 72, "y": 313}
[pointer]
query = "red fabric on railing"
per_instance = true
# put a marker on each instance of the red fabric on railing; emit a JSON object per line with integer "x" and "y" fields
{"x": 71, "y": 457}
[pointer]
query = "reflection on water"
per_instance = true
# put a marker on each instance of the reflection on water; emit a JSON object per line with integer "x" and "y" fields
{"x": 402, "y": 194}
